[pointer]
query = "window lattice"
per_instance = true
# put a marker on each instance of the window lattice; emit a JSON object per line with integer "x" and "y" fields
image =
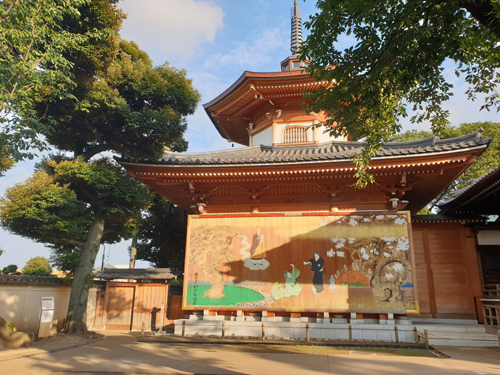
{"x": 295, "y": 134}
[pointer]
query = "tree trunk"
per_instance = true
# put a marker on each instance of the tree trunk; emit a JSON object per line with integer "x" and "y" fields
{"x": 76, "y": 319}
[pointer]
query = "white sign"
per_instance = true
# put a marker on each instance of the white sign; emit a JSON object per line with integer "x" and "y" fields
{"x": 47, "y": 316}
{"x": 47, "y": 303}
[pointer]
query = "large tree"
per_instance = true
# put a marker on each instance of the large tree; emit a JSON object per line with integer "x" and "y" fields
{"x": 396, "y": 60}
{"x": 161, "y": 239}
{"x": 74, "y": 206}
{"x": 39, "y": 41}
{"x": 120, "y": 103}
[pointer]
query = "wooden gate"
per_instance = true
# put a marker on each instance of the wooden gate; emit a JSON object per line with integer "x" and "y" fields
{"x": 120, "y": 304}
{"x": 127, "y": 306}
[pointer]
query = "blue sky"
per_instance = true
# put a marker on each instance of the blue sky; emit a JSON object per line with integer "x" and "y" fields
{"x": 215, "y": 42}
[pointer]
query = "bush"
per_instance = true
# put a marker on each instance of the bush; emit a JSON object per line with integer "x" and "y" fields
{"x": 37, "y": 266}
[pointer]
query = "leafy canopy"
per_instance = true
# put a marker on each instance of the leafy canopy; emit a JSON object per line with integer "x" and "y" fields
{"x": 161, "y": 239}
{"x": 37, "y": 266}
{"x": 395, "y": 61}
{"x": 39, "y": 43}
{"x": 11, "y": 269}
{"x": 129, "y": 107}
{"x": 58, "y": 204}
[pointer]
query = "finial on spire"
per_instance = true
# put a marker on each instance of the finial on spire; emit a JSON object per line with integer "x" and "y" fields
{"x": 296, "y": 41}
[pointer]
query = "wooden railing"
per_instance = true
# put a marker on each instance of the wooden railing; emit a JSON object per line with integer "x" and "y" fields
{"x": 491, "y": 308}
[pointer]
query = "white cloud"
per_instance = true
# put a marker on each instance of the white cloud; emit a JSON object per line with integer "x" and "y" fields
{"x": 171, "y": 26}
{"x": 252, "y": 53}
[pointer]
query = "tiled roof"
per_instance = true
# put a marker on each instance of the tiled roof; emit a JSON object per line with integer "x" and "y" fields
{"x": 37, "y": 280}
{"x": 469, "y": 197}
{"x": 447, "y": 219}
{"x": 138, "y": 274}
{"x": 336, "y": 150}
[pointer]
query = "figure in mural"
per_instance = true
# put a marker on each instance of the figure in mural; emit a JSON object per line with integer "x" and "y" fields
{"x": 317, "y": 267}
{"x": 258, "y": 250}
{"x": 290, "y": 287}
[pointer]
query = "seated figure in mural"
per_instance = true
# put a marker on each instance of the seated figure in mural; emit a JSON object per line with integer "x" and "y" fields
{"x": 258, "y": 250}
{"x": 317, "y": 267}
{"x": 290, "y": 287}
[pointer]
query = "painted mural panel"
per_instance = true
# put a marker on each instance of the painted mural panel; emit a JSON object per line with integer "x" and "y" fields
{"x": 300, "y": 263}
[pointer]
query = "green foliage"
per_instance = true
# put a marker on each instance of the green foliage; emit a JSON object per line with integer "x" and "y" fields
{"x": 396, "y": 60}
{"x": 11, "y": 326}
{"x": 489, "y": 159}
{"x": 37, "y": 266}
{"x": 58, "y": 208}
{"x": 176, "y": 282}
{"x": 11, "y": 269}
{"x": 6, "y": 161}
{"x": 130, "y": 107}
{"x": 162, "y": 235}
{"x": 39, "y": 42}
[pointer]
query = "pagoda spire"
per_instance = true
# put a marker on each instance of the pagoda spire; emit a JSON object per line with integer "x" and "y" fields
{"x": 296, "y": 40}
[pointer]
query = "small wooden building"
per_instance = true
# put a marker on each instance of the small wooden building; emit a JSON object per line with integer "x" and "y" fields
{"x": 137, "y": 298}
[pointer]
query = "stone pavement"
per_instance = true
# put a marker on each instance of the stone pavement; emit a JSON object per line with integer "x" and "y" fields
{"x": 120, "y": 353}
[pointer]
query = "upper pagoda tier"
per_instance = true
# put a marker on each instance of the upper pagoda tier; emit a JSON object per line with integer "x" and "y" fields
{"x": 265, "y": 108}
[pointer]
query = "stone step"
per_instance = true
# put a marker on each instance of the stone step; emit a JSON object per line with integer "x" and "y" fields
{"x": 468, "y": 328}
{"x": 448, "y": 342}
{"x": 462, "y": 336}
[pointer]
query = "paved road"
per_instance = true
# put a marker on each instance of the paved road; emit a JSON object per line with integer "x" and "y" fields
{"x": 121, "y": 354}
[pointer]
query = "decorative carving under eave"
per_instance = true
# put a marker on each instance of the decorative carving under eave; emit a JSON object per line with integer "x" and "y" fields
{"x": 199, "y": 195}
{"x": 396, "y": 190}
{"x": 255, "y": 193}
{"x": 333, "y": 193}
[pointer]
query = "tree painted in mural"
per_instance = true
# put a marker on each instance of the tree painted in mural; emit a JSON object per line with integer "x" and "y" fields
{"x": 384, "y": 262}
{"x": 209, "y": 250}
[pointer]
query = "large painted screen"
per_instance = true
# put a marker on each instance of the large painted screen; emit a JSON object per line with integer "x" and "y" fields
{"x": 300, "y": 263}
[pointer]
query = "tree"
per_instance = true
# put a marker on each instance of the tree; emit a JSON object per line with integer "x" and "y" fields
{"x": 38, "y": 43}
{"x": 11, "y": 269}
{"x": 74, "y": 206}
{"x": 120, "y": 103}
{"x": 37, "y": 266}
{"x": 131, "y": 107}
{"x": 161, "y": 239}
{"x": 396, "y": 60}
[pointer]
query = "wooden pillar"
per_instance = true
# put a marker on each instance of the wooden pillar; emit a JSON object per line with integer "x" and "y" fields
{"x": 276, "y": 135}
{"x": 315, "y": 130}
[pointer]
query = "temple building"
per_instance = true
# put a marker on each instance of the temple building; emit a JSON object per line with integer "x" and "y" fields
{"x": 278, "y": 234}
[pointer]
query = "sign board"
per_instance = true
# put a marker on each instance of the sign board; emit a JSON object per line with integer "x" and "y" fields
{"x": 47, "y": 303}
{"x": 46, "y": 316}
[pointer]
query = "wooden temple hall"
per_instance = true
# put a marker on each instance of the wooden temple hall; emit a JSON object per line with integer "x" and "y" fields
{"x": 278, "y": 234}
